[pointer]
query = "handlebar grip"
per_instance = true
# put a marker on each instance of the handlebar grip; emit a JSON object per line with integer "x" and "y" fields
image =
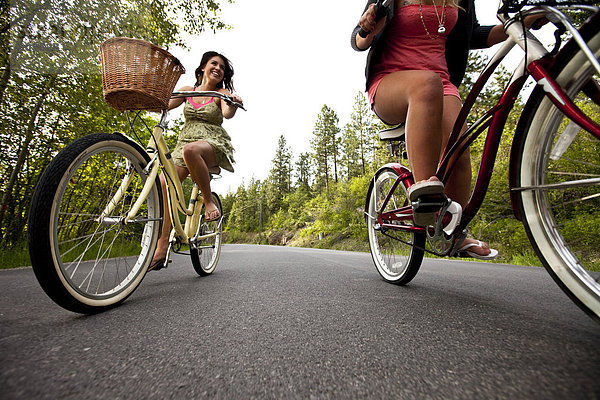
{"x": 234, "y": 103}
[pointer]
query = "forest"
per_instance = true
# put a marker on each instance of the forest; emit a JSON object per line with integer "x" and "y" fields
{"x": 51, "y": 94}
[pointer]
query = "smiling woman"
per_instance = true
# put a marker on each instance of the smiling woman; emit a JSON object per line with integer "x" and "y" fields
{"x": 203, "y": 144}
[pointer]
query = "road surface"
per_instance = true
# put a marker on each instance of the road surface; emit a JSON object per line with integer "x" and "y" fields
{"x": 278, "y": 322}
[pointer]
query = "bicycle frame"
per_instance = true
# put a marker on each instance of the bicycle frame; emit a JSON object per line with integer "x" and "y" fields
{"x": 535, "y": 63}
{"x": 160, "y": 156}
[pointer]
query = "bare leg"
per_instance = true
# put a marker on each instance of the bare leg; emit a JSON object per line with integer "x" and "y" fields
{"x": 458, "y": 186}
{"x": 163, "y": 241}
{"x": 199, "y": 157}
{"x": 417, "y": 98}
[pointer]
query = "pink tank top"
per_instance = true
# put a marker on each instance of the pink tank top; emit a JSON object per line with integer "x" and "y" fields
{"x": 196, "y": 105}
{"x": 407, "y": 46}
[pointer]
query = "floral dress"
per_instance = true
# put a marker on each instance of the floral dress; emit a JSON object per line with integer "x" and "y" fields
{"x": 203, "y": 122}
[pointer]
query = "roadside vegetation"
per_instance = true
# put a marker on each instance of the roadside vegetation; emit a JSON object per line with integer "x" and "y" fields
{"x": 313, "y": 199}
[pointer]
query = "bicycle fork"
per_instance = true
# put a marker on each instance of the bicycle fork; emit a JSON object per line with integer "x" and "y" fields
{"x": 106, "y": 219}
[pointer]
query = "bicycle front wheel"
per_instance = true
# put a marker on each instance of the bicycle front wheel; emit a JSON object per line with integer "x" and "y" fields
{"x": 206, "y": 250}
{"x": 84, "y": 261}
{"x": 397, "y": 254}
{"x": 558, "y": 180}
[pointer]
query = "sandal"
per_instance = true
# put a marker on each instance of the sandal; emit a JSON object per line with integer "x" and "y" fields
{"x": 157, "y": 264}
{"x": 213, "y": 219}
{"x": 463, "y": 252}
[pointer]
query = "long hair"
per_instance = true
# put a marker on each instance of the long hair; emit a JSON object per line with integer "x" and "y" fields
{"x": 227, "y": 81}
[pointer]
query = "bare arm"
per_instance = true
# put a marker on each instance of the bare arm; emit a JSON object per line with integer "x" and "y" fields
{"x": 368, "y": 24}
{"x": 227, "y": 109}
{"x": 174, "y": 103}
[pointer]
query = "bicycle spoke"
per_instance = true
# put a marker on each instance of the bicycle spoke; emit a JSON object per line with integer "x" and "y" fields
{"x": 397, "y": 253}
{"x": 562, "y": 185}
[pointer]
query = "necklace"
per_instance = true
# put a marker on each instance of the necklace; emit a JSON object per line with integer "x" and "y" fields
{"x": 441, "y": 20}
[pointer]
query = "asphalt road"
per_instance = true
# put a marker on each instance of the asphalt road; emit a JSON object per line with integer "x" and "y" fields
{"x": 277, "y": 323}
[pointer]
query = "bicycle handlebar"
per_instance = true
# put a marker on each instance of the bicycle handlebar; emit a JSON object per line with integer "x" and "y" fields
{"x": 227, "y": 99}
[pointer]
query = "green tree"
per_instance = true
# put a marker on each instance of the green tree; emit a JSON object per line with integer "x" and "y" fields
{"x": 357, "y": 143}
{"x": 246, "y": 209}
{"x": 50, "y": 79}
{"x": 280, "y": 177}
{"x": 325, "y": 147}
{"x": 303, "y": 171}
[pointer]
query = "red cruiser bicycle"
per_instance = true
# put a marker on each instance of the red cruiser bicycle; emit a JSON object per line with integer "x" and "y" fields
{"x": 554, "y": 165}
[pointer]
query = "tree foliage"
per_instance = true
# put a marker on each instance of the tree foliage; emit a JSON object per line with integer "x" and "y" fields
{"x": 50, "y": 85}
{"x": 325, "y": 147}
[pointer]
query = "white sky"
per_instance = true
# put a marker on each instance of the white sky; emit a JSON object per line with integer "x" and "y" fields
{"x": 289, "y": 60}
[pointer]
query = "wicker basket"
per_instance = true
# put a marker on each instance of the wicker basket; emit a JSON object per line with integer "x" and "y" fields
{"x": 137, "y": 75}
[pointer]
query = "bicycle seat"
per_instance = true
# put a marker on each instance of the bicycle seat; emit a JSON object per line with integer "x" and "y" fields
{"x": 396, "y": 133}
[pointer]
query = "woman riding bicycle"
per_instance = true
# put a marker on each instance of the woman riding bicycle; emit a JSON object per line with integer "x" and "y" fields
{"x": 417, "y": 59}
{"x": 202, "y": 143}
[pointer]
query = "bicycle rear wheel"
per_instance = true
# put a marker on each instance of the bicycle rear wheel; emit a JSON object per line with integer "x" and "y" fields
{"x": 558, "y": 179}
{"x": 397, "y": 254}
{"x": 207, "y": 249}
{"x": 86, "y": 263}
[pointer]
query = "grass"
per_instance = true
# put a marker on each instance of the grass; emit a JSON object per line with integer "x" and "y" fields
{"x": 15, "y": 256}
{"x": 18, "y": 255}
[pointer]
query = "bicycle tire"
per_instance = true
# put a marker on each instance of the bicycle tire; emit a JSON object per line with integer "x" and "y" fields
{"x": 205, "y": 254}
{"x": 83, "y": 264}
{"x": 397, "y": 254}
{"x": 556, "y": 217}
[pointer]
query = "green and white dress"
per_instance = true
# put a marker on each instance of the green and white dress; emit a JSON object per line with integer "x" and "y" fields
{"x": 204, "y": 122}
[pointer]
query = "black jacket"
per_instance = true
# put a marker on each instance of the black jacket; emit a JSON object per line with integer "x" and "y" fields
{"x": 466, "y": 35}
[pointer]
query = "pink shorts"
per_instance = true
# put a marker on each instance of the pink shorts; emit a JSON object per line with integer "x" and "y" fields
{"x": 449, "y": 89}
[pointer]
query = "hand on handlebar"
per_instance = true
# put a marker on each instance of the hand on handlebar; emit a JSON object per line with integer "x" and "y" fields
{"x": 535, "y": 22}
{"x": 236, "y": 101}
{"x": 373, "y": 21}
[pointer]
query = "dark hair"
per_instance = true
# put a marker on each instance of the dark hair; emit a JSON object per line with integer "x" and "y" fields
{"x": 227, "y": 81}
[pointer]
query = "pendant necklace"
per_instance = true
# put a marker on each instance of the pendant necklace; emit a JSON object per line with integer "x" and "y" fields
{"x": 441, "y": 21}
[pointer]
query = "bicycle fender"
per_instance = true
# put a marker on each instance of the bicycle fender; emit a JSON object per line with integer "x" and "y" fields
{"x": 132, "y": 142}
{"x": 403, "y": 173}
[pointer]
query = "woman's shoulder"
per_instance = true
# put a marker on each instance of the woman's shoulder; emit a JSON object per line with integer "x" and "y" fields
{"x": 185, "y": 89}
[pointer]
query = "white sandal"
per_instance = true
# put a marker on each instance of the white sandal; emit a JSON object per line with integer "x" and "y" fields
{"x": 463, "y": 252}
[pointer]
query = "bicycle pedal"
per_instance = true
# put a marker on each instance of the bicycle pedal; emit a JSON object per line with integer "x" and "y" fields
{"x": 429, "y": 203}
{"x": 424, "y": 218}
{"x": 426, "y": 208}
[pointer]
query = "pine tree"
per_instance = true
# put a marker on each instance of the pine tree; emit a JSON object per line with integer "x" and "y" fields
{"x": 358, "y": 137}
{"x": 279, "y": 183}
{"x": 303, "y": 173}
{"x": 325, "y": 147}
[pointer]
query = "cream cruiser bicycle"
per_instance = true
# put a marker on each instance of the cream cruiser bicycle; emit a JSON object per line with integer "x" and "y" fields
{"x": 97, "y": 211}
{"x": 554, "y": 168}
